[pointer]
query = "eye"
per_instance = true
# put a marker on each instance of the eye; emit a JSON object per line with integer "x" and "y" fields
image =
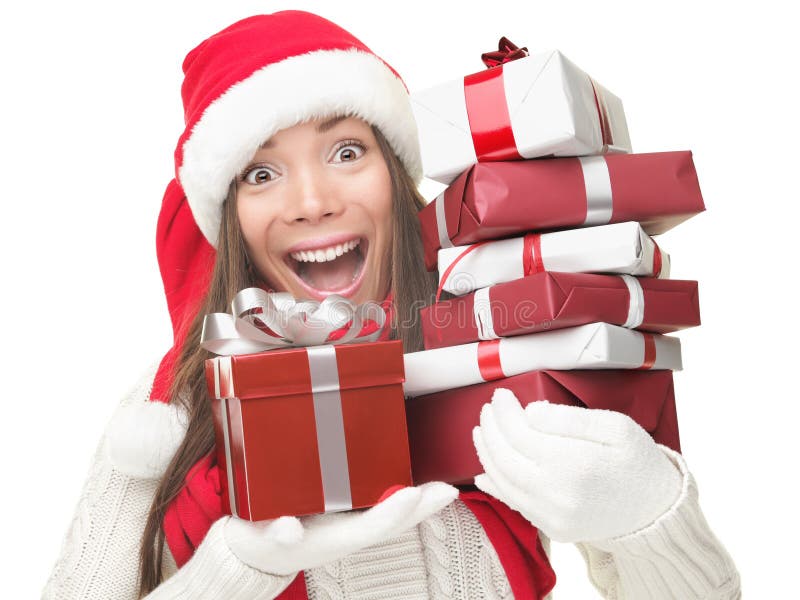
{"x": 348, "y": 151}
{"x": 258, "y": 175}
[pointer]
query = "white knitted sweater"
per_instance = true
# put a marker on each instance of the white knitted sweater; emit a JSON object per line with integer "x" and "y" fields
{"x": 447, "y": 556}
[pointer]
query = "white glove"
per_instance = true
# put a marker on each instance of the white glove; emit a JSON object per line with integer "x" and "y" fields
{"x": 287, "y": 545}
{"x": 578, "y": 474}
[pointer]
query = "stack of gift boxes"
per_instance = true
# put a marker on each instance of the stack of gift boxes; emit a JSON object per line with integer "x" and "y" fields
{"x": 555, "y": 290}
{"x": 542, "y": 243}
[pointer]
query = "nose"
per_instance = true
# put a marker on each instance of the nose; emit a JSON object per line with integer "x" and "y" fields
{"x": 312, "y": 198}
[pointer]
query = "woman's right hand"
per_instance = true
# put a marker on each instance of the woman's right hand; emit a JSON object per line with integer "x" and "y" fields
{"x": 287, "y": 545}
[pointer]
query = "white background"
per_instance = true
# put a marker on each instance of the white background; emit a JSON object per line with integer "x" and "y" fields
{"x": 91, "y": 113}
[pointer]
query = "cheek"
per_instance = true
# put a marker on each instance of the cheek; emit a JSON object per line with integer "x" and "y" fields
{"x": 255, "y": 218}
{"x": 381, "y": 206}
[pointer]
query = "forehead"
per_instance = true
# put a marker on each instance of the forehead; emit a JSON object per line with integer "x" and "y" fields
{"x": 321, "y": 126}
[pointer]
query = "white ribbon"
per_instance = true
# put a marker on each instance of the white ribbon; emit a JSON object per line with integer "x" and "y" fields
{"x": 441, "y": 222}
{"x": 482, "y": 312}
{"x": 262, "y": 321}
{"x": 231, "y": 491}
{"x": 222, "y": 396}
{"x": 597, "y": 182}
{"x": 635, "y": 303}
{"x": 329, "y": 420}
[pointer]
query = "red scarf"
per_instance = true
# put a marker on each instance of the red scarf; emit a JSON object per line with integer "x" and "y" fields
{"x": 199, "y": 504}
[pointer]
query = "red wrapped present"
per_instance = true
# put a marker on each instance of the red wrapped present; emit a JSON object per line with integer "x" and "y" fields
{"x": 440, "y": 425}
{"x": 522, "y": 106}
{"x": 591, "y": 346}
{"x": 552, "y": 300}
{"x": 501, "y": 199}
{"x": 308, "y": 429}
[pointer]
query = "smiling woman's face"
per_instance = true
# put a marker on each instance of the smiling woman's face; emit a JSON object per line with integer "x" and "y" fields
{"x": 315, "y": 206}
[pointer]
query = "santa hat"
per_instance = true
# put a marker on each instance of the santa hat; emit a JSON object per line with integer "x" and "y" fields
{"x": 241, "y": 85}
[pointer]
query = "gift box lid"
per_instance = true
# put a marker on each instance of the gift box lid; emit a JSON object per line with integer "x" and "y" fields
{"x": 286, "y": 372}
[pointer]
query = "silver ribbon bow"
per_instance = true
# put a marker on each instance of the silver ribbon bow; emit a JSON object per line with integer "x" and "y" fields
{"x": 262, "y": 321}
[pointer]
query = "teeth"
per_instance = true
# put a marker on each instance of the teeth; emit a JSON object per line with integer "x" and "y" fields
{"x": 324, "y": 254}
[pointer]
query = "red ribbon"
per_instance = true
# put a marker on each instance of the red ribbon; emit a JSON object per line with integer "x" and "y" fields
{"x": 449, "y": 269}
{"x": 489, "y": 120}
{"x": 657, "y": 263}
{"x": 506, "y": 51}
{"x": 489, "y": 360}
{"x": 532, "y": 262}
{"x": 487, "y": 109}
{"x": 649, "y": 351}
{"x": 532, "y": 254}
{"x": 602, "y": 115}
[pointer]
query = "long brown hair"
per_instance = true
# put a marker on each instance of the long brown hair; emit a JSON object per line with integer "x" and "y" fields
{"x": 412, "y": 288}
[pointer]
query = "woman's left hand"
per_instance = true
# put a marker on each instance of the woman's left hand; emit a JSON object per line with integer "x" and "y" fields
{"x": 578, "y": 474}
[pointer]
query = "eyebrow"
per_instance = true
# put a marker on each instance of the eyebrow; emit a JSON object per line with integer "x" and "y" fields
{"x": 321, "y": 128}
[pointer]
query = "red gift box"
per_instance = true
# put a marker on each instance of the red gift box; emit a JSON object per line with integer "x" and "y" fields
{"x": 552, "y": 300}
{"x": 440, "y": 425}
{"x": 309, "y": 430}
{"x": 500, "y": 199}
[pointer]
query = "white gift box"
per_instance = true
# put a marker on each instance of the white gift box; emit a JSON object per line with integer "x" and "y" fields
{"x": 617, "y": 248}
{"x": 553, "y": 108}
{"x": 592, "y": 346}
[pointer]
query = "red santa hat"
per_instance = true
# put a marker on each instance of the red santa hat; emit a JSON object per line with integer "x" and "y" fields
{"x": 241, "y": 85}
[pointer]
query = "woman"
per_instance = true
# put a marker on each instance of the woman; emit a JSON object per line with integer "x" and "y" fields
{"x": 297, "y": 172}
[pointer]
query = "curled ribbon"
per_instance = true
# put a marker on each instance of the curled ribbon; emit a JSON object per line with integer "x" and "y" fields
{"x": 261, "y": 320}
{"x": 506, "y": 52}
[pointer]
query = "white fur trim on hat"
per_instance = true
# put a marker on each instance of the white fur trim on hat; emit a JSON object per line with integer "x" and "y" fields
{"x": 282, "y": 94}
{"x": 143, "y": 438}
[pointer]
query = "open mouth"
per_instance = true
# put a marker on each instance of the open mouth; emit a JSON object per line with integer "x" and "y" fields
{"x": 332, "y": 269}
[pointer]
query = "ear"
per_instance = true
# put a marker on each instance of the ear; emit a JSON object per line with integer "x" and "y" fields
{"x": 143, "y": 438}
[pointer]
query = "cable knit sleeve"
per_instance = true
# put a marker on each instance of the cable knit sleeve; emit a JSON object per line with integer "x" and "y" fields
{"x": 99, "y": 554}
{"x": 677, "y": 556}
